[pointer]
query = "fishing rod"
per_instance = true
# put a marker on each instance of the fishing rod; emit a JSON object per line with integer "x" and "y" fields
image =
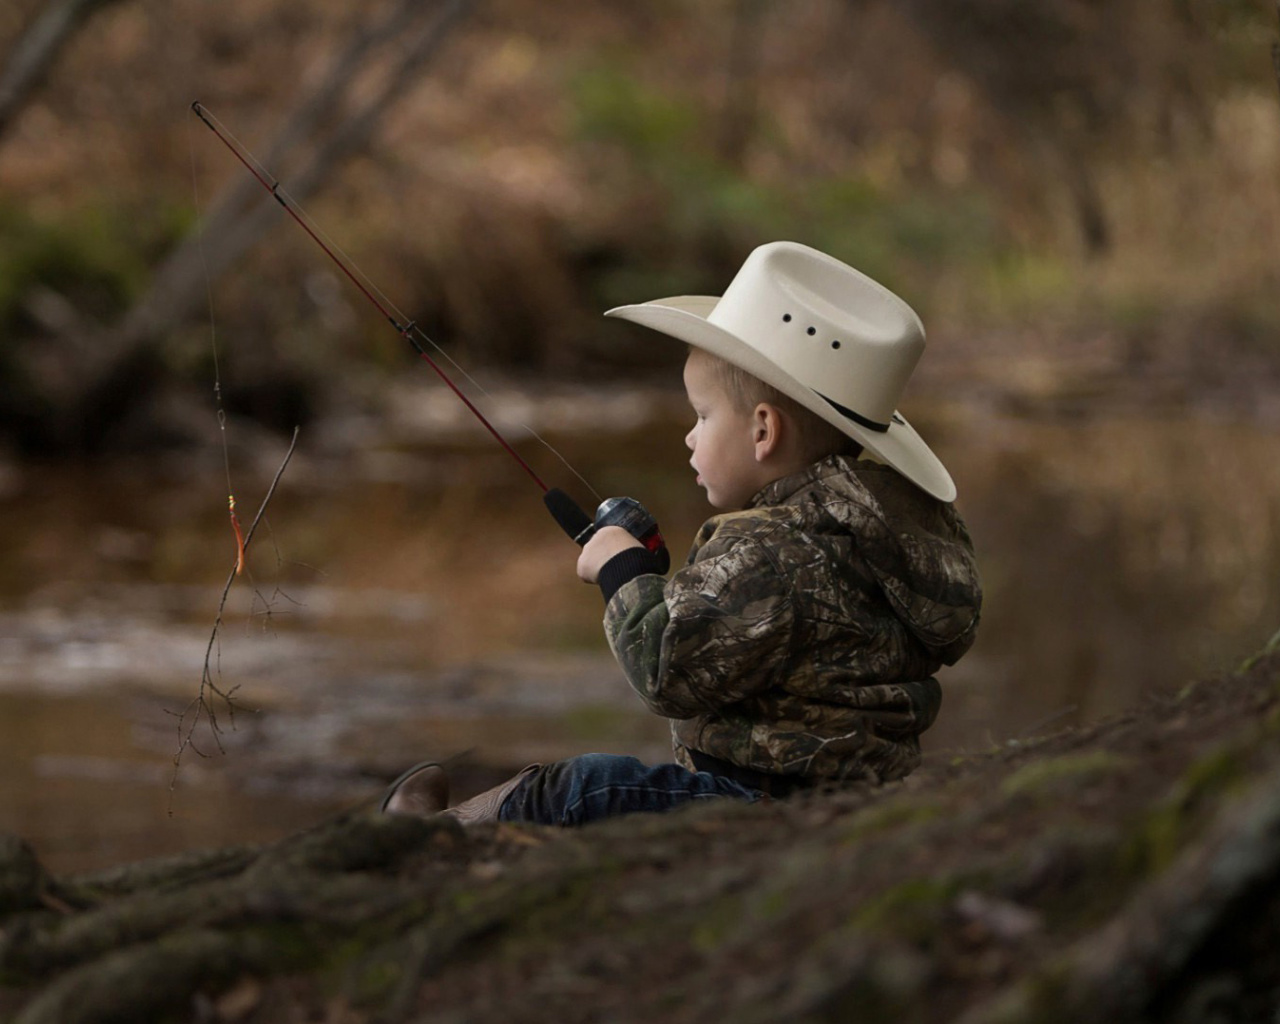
{"x": 580, "y": 527}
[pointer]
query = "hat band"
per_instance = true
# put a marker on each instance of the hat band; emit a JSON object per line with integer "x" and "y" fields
{"x": 862, "y": 421}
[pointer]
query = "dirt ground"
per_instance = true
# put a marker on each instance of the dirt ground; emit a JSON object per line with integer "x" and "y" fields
{"x": 1125, "y": 871}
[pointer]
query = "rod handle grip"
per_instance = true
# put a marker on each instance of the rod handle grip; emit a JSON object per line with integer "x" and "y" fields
{"x": 569, "y": 515}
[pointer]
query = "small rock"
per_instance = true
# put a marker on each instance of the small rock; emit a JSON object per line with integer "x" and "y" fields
{"x": 998, "y": 918}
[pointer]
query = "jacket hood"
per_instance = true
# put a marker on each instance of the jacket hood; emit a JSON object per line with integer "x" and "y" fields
{"x": 916, "y": 547}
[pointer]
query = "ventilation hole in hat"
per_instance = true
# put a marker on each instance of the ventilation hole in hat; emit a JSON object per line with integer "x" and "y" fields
{"x": 786, "y": 318}
{"x": 812, "y": 330}
{"x": 835, "y": 344}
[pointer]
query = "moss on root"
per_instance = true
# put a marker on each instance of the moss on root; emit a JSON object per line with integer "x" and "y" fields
{"x": 911, "y": 910}
{"x": 1052, "y": 777}
{"x": 1165, "y": 829}
{"x": 890, "y": 815}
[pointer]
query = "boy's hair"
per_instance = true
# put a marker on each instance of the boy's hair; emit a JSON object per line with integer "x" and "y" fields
{"x": 817, "y": 437}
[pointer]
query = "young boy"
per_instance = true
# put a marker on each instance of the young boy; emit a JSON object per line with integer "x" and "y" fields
{"x": 797, "y": 645}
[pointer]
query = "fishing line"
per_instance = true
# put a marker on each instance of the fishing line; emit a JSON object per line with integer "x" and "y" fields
{"x": 407, "y": 328}
{"x": 217, "y": 369}
{"x": 422, "y": 335}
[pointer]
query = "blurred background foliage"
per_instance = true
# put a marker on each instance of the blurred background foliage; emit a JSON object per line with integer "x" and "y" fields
{"x": 995, "y": 162}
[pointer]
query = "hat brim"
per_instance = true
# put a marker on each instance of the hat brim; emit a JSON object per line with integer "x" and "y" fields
{"x": 685, "y": 317}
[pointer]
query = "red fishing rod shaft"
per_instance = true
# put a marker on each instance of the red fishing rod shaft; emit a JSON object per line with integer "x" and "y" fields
{"x": 404, "y": 330}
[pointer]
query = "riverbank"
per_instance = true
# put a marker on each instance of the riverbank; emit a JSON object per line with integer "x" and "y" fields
{"x": 1124, "y": 871}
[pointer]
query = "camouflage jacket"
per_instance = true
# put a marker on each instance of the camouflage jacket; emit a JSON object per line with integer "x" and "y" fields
{"x": 802, "y": 634}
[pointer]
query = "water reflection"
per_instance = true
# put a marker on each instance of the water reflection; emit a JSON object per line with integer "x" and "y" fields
{"x": 80, "y": 779}
{"x": 419, "y": 603}
{"x": 1122, "y": 557}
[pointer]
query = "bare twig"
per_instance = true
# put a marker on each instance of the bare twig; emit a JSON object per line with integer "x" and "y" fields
{"x": 202, "y": 706}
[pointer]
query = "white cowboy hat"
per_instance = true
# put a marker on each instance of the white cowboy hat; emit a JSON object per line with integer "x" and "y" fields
{"x": 823, "y": 334}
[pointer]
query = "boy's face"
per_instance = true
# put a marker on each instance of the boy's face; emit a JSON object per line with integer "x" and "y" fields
{"x": 722, "y": 440}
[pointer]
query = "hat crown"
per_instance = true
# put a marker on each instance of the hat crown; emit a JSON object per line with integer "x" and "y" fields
{"x": 828, "y": 326}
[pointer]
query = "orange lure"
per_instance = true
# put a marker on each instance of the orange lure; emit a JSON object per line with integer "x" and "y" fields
{"x": 235, "y": 525}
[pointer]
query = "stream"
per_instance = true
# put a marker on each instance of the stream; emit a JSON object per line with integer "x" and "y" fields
{"x": 407, "y": 597}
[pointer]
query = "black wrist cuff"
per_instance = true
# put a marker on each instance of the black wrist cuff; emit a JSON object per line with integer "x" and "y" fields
{"x": 626, "y": 566}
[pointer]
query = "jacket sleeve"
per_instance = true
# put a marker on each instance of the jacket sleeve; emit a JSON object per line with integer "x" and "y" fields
{"x": 717, "y": 632}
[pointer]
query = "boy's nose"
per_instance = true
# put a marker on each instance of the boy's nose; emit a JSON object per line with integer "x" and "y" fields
{"x": 688, "y": 438}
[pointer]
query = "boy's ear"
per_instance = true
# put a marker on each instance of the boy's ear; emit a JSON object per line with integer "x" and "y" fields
{"x": 766, "y": 430}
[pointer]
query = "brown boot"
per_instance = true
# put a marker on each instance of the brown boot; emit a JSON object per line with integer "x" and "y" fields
{"x": 485, "y": 806}
{"x": 424, "y": 791}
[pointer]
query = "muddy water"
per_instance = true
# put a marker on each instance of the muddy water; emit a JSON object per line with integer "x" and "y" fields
{"x": 410, "y": 599}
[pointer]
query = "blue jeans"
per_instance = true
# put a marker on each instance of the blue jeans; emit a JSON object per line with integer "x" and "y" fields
{"x": 594, "y": 786}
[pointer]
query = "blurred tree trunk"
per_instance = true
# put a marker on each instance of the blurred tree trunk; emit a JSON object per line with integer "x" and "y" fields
{"x": 742, "y": 83}
{"x": 1071, "y": 86}
{"x": 1091, "y": 216}
{"x": 37, "y": 50}
{"x": 1275, "y": 50}
{"x": 243, "y": 213}
{"x": 239, "y": 217}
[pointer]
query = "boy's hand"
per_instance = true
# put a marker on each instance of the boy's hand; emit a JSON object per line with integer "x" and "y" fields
{"x": 607, "y": 542}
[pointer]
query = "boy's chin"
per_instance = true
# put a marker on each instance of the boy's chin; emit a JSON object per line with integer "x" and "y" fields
{"x": 721, "y": 504}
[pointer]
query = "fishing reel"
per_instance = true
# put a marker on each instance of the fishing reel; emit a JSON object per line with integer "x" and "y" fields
{"x": 624, "y": 512}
